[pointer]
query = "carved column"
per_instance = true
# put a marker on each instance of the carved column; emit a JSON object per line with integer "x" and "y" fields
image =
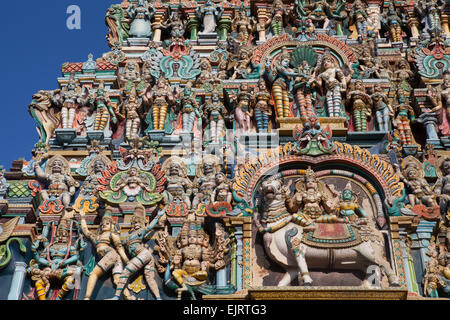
{"x": 445, "y": 27}
{"x": 16, "y": 289}
{"x": 193, "y": 24}
{"x": 239, "y": 246}
{"x": 157, "y": 24}
{"x": 413, "y": 24}
{"x": 224, "y": 25}
{"x": 423, "y": 236}
{"x": 262, "y": 16}
{"x": 408, "y": 262}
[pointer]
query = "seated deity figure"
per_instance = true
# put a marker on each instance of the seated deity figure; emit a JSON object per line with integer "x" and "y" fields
{"x": 348, "y": 209}
{"x": 109, "y": 248}
{"x": 412, "y": 175}
{"x": 61, "y": 185}
{"x": 57, "y": 258}
{"x": 222, "y": 191}
{"x": 310, "y": 204}
{"x": 142, "y": 255}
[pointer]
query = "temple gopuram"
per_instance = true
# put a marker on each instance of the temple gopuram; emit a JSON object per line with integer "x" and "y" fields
{"x": 240, "y": 150}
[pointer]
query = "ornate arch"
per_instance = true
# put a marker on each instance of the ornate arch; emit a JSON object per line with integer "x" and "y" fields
{"x": 378, "y": 175}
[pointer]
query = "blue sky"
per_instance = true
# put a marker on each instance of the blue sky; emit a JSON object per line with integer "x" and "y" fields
{"x": 35, "y": 43}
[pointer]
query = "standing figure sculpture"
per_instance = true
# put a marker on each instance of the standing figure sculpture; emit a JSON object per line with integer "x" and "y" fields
{"x": 361, "y": 106}
{"x": 394, "y": 23}
{"x": 60, "y": 258}
{"x": 243, "y": 111}
{"x": 104, "y": 111}
{"x": 278, "y": 13}
{"x": 159, "y": 98}
{"x": 243, "y": 26}
{"x": 333, "y": 81}
{"x": 110, "y": 250}
{"x": 215, "y": 113}
{"x": 142, "y": 14}
{"x": 430, "y": 12}
{"x": 442, "y": 186}
{"x": 177, "y": 26}
{"x": 383, "y": 110}
{"x": 133, "y": 120}
{"x": 405, "y": 115}
{"x": 359, "y": 16}
{"x": 303, "y": 87}
{"x": 70, "y": 99}
{"x": 262, "y": 106}
{"x": 209, "y": 14}
{"x": 282, "y": 78}
{"x": 142, "y": 255}
{"x": 190, "y": 109}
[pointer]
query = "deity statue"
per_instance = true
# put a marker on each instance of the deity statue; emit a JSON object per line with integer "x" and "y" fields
{"x": 361, "y": 106}
{"x": 432, "y": 279}
{"x": 359, "y": 16}
{"x": 222, "y": 191}
{"x": 142, "y": 14}
{"x": 442, "y": 186}
{"x": 243, "y": 26}
{"x": 412, "y": 175}
{"x": 104, "y": 110}
{"x": 262, "y": 106}
{"x": 243, "y": 111}
{"x": 61, "y": 185}
{"x": 402, "y": 75}
{"x": 4, "y": 185}
{"x": 394, "y": 23}
{"x": 282, "y": 82}
{"x": 142, "y": 255}
{"x": 57, "y": 259}
{"x": 348, "y": 207}
{"x": 110, "y": 250}
{"x": 69, "y": 98}
{"x": 240, "y": 63}
{"x": 430, "y": 12}
{"x": 209, "y": 14}
{"x": 206, "y": 74}
{"x": 310, "y": 204}
{"x": 405, "y": 115}
{"x": 304, "y": 84}
{"x": 191, "y": 256}
{"x": 333, "y": 81}
{"x": 177, "y": 26}
{"x": 278, "y": 14}
{"x": 215, "y": 113}
{"x": 132, "y": 183}
{"x": 131, "y": 76}
{"x": 429, "y": 115}
{"x": 383, "y": 110}
{"x": 445, "y": 114}
{"x": 159, "y": 98}
{"x": 190, "y": 109}
{"x": 133, "y": 120}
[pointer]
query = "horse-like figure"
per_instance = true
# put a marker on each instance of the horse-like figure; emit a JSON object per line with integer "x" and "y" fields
{"x": 284, "y": 240}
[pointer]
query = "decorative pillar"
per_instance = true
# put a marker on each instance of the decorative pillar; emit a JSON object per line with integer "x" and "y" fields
{"x": 445, "y": 28}
{"x": 193, "y": 24}
{"x": 408, "y": 262}
{"x": 424, "y": 232}
{"x": 239, "y": 246}
{"x": 413, "y": 24}
{"x": 263, "y": 16}
{"x": 16, "y": 289}
{"x": 224, "y": 26}
{"x": 156, "y": 26}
